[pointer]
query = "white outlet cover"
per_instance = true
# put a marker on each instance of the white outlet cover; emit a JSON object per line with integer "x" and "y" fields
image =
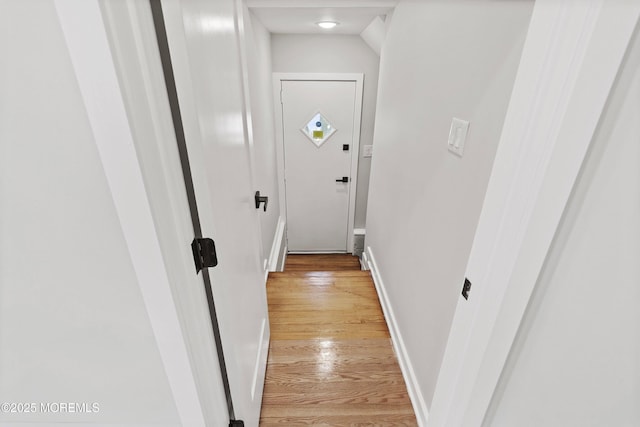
{"x": 458, "y": 135}
{"x": 367, "y": 151}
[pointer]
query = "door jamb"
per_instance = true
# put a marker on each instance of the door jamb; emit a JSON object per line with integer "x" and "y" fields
{"x": 358, "y": 78}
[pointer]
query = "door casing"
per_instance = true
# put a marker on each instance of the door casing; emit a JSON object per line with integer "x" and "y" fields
{"x": 358, "y": 78}
{"x": 85, "y": 26}
{"x": 143, "y": 54}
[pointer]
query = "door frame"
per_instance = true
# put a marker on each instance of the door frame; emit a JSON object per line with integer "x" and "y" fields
{"x": 569, "y": 64}
{"x": 358, "y": 78}
{"x": 96, "y": 70}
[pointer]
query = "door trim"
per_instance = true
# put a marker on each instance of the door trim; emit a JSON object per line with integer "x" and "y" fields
{"x": 358, "y": 78}
{"x": 83, "y": 26}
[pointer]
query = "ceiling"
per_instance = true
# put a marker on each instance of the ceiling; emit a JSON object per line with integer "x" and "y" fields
{"x": 301, "y": 16}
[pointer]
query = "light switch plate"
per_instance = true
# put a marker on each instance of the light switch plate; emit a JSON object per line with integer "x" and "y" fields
{"x": 458, "y": 135}
{"x": 367, "y": 151}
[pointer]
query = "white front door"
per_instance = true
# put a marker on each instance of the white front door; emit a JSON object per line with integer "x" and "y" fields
{"x": 319, "y": 128}
{"x": 205, "y": 56}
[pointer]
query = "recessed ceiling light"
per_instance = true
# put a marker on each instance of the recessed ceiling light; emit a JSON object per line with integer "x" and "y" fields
{"x": 327, "y": 25}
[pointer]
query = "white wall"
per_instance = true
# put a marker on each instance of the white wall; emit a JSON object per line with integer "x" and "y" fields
{"x": 576, "y": 359}
{"x": 441, "y": 59}
{"x": 73, "y": 323}
{"x": 302, "y": 53}
{"x": 258, "y": 51}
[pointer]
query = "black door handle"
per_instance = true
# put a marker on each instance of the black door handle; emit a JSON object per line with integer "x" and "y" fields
{"x": 343, "y": 179}
{"x": 261, "y": 199}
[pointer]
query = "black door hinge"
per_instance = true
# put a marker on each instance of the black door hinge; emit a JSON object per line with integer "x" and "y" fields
{"x": 204, "y": 253}
{"x": 236, "y": 423}
{"x": 466, "y": 288}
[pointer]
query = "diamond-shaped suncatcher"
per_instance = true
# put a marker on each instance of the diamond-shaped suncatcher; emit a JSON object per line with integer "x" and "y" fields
{"x": 318, "y": 129}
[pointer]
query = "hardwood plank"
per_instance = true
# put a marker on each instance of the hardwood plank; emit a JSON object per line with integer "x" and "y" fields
{"x": 321, "y": 262}
{"x": 369, "y": 413}
{"x": 348, "y": 348}
{"x": 365, "y": 395}
{"x": 373, "y": 411}
{"x": 340, "y": 421}
{"x": 381, "y": 374}
{"x": 325, "y": 305}
{"x": 331, "y": 361}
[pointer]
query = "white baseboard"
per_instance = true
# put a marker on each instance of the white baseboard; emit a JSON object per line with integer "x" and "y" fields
{"x": 277, "y": 245}
{"x": 284, "y": 259}
{"x": 415, "y": 394}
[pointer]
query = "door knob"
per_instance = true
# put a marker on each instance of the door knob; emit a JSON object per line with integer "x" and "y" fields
{"x": 343, "y": 179}
{"x": 261, "y": 199}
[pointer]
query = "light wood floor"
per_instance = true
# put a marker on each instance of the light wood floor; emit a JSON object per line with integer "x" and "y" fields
{"x": 323, "y": 262}
{"x": 330, "y": 361}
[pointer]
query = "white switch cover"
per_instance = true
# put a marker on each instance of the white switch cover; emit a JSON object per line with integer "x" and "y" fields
{"x": 458, "y": 135}
{"x": 367, "y": 151}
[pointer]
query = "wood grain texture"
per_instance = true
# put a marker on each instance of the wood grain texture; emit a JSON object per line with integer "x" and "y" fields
{"x": 330, "y": 305}
{"x": 321, "y": 262}
{"x": 331, "y": 362}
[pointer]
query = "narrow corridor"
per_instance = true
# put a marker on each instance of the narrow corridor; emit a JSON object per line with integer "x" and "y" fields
{"x": 331, "y": 360}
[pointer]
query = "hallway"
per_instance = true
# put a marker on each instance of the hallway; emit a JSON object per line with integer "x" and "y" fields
{"x": 142, "y": 274}
{"x": 331, "y": 361}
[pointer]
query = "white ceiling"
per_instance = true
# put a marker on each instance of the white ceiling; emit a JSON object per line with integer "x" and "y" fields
{"x": 301, "y": 16}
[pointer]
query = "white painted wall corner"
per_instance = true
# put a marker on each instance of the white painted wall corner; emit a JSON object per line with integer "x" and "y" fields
{"x": 374, "y": 34}
{"x": 284, "y": 258}
{"x": 277, "y": 246}
{"x": 364, "y": 261}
